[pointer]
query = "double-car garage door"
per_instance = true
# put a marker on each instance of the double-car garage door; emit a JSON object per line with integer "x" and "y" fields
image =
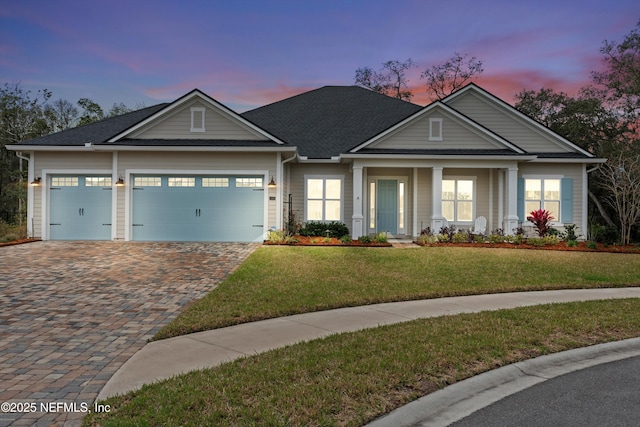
{"x": 163, "y": 208}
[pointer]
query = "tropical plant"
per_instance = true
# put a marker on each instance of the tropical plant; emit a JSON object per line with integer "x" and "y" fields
{"x": 541, "y": 220}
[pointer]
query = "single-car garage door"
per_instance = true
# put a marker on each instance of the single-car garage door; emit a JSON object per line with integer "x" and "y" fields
{"x": 80, "y": 207}
{"x": 197, "y": 208}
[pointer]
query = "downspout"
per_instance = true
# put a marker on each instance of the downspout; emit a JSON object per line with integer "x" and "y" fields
{"x": 30, "y": 191}
{"x": 280, "y": 193}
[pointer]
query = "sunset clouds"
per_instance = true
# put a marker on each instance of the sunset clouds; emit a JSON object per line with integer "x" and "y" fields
{"x": 249, "y": 53}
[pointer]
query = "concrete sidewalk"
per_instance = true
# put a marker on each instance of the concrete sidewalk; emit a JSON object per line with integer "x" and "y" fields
{"x": 166, "y": 358}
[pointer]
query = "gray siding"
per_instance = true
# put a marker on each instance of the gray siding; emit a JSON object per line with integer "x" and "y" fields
{"x": 455, "y": 135}
{"x": 506, "y": 124}
{"x": 178, "y": 126}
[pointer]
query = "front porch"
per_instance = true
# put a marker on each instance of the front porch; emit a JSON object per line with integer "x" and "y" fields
{"x": 402, "y": 200}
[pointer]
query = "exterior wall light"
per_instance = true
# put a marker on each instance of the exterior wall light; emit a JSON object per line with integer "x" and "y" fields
{"x": 272, "y": 183}
{"x": 36, "y": 181}
{"x": 120, "y": 182}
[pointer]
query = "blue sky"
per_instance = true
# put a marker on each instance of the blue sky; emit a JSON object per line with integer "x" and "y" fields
{"x": 248, "y": 53}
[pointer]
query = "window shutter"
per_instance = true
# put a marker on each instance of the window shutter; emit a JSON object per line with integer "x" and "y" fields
{"x": 520, "y": 199}
{"x": 566, "y": 204}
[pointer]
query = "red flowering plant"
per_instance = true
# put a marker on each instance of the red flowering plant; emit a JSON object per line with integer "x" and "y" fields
{"x": 541, "y": 219}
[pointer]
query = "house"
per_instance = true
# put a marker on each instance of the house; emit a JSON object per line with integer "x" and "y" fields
{"x": 194, "y": 170}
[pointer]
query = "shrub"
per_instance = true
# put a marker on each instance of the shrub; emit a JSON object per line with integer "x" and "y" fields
{"x": 478, "y": 238}
{"x": 516, "y": 239}
{"x": 569, "y": 232}
{"x": 572, "y": 243}
{"x": 335, "y": 229}
{"x": 346, "y": 239}
{"x": 460, "y": 237}
{"x": 541, "y": 219}
{"x": 381, "y": 237}
{"x": 443, "y": 238}
{"x": 543, "y": 241}
{"x": 276, "y": 236}
{"x": 365, "y": 239}
{"x": 447, "y": 231}
{"x": 592, "y": 245}
{"x": 496, "y": 238}
{"x": 427, "y": 239}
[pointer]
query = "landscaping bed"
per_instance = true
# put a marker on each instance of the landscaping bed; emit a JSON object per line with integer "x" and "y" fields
{"x": 325, "y": 241}
{"x": 560, "y": 246}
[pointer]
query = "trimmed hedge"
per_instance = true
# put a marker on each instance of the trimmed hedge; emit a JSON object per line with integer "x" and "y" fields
{"x": 336, "y": 229}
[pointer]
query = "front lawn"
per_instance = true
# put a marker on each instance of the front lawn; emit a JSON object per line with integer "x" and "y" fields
{"x": 350, "y": 379}
{"x": 278, "y": 280}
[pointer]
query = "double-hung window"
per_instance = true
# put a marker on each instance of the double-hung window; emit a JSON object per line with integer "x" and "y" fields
{"x": 323, "y": 198}
{"x": 542, "y": 193}
{"x": 458, "y": 199}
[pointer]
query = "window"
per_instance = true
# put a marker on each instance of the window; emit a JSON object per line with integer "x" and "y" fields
{"x": 215, "y": 182}
{"x": 64, "y": 181}
{"x": 457, "y": 200}
{"x": 435, "y": 129}
{"x": 542, "y": 194}
{"x": 372, "y": 205}
{"x": 179, "y": 181}
{"x": 249, "y": 182}
{"x": 323, "y": 199}
{"x": 147, "y": 181}
{"x": 97, "y": 181}
{"x": 197, "y": 119}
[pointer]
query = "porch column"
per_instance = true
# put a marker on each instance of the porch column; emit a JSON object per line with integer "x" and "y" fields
{"x": 357, "y": 217}
{"x": 437, "y": 220}
{"x": 511, "y": 219}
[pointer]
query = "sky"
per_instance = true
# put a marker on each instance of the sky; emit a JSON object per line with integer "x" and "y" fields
{"x": 248, "y": 53}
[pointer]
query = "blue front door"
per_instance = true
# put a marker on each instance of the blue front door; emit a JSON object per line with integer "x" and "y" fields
{"x": 387, "y": 206}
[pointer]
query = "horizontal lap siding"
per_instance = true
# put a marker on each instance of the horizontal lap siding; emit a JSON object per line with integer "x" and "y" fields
{"x": 416, "y": 136}
{"x": 506, "y": 125}
{"x": 178, "y": 126}
{"x": 296, "y": 179}
{"x": 566, "y": 171}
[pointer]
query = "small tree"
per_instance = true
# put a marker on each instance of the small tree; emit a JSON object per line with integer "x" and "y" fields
{"x": 621, "y": 183}
{"x": 444, "y": 79}
{"x": 541, "y": 219}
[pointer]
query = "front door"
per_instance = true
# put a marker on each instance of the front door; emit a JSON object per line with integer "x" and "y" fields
{"x": 387, "y": 206}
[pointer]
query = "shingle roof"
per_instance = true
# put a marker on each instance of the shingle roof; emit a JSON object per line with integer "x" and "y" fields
{"x": 195, "y": 143}
{"x": 331, "y": 120}
{"x": 97, "y": 132}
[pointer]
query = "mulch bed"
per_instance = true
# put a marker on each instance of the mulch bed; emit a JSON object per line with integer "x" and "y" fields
{"x": 322, "y": 241}
{"x": 18, "y": 242}
{"x": 561, "y": 246}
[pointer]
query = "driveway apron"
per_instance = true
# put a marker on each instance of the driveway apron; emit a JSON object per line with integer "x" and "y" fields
{"x": 73, "y": 312}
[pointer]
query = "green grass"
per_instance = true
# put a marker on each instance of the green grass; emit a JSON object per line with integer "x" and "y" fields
{"x": 276, "y": 281}
{"x": 350, "y": 379}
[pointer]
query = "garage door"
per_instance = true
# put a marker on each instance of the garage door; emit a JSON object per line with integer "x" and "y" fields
{"x": 198, "y": 208}
{"x": 80, "y": 208}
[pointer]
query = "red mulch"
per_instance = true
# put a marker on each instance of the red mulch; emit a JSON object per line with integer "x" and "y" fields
{"x": 320, "y": 241}
{"x": 561, "y": 246}
{"x": 18, "y": 242}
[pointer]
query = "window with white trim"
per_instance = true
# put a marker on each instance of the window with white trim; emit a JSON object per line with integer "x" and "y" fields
{"x": 542, "y": 193}
{"x": 97, "y": 181}
{"x": 458, "y": 200}
{"x": 323, "y": 198}
{"x": 197, "y": 119}
{"x": 249, "y": 182}
{"x": 215, "y": 182}
{"x": 182, "y": 181}
{"x": 64, "y": 181}
{"x": 147, "y": 181}
{"x": 435, "y": 129}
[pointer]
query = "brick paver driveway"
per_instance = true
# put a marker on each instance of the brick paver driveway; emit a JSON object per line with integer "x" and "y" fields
{"x": 73, "y": 312}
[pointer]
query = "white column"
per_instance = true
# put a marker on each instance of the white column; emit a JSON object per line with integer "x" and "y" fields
{"x": 114, "y": 195}
{"x": 357, "y": 217}
{"x": 511, "y": 220}
{"x": 416, "y": 231}
{"x": 278, "y": 190}
{"x": 437, "y": 220}
{"x": 31, "y": 175}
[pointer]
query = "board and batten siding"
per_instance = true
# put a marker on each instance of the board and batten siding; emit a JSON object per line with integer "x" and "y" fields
{"x": 177, "y": 125}
{"x": 507, "y": 125}
{"x": 455, "y": 135}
